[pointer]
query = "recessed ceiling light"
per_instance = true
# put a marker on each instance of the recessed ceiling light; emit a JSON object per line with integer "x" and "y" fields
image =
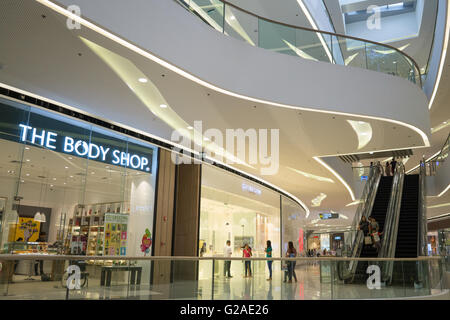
{"x": 28, "y": 160}
{"x": 232, "y": 18}
{"x": 93, "y": 172}
{"x": 163, "y": 106}
{"x": 54, "y": 178}
{"x": 27, "y": 148}
{"x": 27, "y": 174}
{"x": 66, "y": 167}
{"x": 22, "y": 181}
{"x": 51, "y": 185}
{"x": 64, "y": 183}
{"x": 206, "y": 139}
{"x": 143, "y": 80}
{"x": 190, "y": 128}
{"x": 71, "y": 176}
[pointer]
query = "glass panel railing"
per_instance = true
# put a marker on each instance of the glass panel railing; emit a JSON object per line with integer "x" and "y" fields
{"x": 303, "y": 42}
{"x": 173, "y": 278}
{"x": 405, "y": 279}
{"x": 240, "y": 25}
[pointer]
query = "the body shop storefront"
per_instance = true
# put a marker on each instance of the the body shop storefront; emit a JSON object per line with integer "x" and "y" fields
{"x": 69, "y": 187}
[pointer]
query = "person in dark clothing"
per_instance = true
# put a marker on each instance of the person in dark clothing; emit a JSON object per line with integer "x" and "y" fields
{"x": 393, "y": 164}
{"x": 291, "y": 253}
{"x": 364, "y": 225}
{"x": 42, "y": 238}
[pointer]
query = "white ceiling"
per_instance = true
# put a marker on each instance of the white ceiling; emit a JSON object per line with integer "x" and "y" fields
{"x": 42, "y": 57}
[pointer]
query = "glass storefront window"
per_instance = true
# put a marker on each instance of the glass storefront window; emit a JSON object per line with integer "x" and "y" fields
{"x": 232, "y": 208}
{"x": 293, "y": 226}
{"x": 74, "y": 188}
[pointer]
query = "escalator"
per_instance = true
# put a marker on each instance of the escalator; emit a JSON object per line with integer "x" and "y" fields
{"x": 379, "y": 211}
{"x": 407, "y": 234}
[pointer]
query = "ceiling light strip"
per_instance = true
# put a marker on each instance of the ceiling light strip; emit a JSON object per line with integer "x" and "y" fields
{"x": 443, "y": 56}
{"x": 180, "y": 147}
{"x": 183, "y": 73}
{"x": 268, "y": 183}
{"x": 439, "y": 216}
{"x": 350, "y": 191}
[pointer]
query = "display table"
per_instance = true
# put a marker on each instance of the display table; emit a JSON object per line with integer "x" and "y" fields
{"x": 106, "y": 274}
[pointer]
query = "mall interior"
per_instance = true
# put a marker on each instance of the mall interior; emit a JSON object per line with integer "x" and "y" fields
{"x": 139, "y": 137}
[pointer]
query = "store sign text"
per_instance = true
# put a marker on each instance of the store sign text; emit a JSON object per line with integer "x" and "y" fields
{"x": 251, "y": 189}
{"x": 51, "y": 140}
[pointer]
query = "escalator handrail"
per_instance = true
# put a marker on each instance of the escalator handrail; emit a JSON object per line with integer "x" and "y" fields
{"x": 422, "y": 218}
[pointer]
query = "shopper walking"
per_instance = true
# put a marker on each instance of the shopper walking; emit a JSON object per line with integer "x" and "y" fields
{"x": 227, "y": 252}
{"x": 291, "y": 253}
{"x": 247, "y": 253}
{"x": 268, "y": 251}
{"x": 374, "y": 230}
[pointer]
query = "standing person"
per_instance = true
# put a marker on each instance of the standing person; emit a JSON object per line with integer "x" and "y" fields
{"x": 388, "y": 169}
{"x": 291, "y": 253}
{"x": 247, "y": 253}
{"x": 268, "y": 252}
{"x": 42, "y": 238}
{"x": 227, "y": 252}
{"x": 374, "y": 230}
{"x": 203, "y": 249}
{"x": 393, "y": 165}
{"x": 364, "y": 225}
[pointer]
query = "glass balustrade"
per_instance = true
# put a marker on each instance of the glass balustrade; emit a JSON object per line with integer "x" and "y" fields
{"x": 302, "y": 42}
{"x": 174, "y": 278}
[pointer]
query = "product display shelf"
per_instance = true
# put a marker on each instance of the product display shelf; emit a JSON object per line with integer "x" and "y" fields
{"x": 86, "y": 228}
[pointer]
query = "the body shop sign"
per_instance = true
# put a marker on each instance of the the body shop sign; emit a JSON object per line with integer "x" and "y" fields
{"x": 78, "y": 147}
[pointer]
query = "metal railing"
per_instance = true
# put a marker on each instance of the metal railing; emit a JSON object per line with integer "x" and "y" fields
{"x": 306, "y": 43}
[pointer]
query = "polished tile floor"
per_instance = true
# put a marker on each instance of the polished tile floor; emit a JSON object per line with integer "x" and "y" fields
{"x": 308, "y": 287}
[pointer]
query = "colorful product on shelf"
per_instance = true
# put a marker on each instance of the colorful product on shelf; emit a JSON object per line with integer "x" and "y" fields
{"x": 115, "y": 234}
